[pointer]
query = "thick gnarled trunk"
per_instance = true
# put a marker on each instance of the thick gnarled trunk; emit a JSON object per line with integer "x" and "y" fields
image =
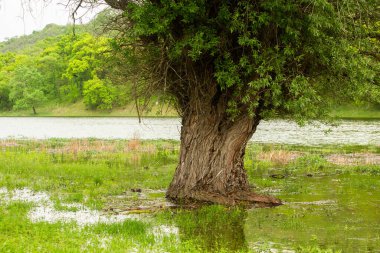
{"x": 211, "y": 166}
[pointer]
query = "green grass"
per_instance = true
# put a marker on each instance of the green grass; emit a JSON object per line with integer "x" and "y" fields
{"x": 78, "y": 109}
{"x": 86, "y": 176}
{"x": 18, "y": 234}
{"x": 365, "y": 112}
{"x": 95, "y": 173}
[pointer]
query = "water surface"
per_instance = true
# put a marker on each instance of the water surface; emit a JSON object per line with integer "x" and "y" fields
{"x": 272, "y": 131}
{"x": 335, "y": 212}
{"x": 340, "y": 212}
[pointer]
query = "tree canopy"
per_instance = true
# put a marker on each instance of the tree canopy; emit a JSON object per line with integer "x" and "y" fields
{"x": 264, "y": 57}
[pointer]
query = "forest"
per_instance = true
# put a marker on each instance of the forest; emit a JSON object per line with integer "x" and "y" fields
{"x": 61, "y": 64}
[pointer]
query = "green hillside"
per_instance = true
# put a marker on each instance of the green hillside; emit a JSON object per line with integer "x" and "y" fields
{"x": 46, "y": 35}
{"x": 21, "y": 43}
{"x": 57, "y": 66}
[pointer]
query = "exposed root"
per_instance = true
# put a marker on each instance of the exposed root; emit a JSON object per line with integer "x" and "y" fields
{"x": 244, "y": 198}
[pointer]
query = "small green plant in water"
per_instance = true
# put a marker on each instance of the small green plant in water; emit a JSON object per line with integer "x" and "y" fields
{"x": 309, "y": 163}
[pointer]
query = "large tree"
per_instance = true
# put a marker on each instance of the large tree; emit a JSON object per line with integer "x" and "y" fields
{"x": 27, "y": 88}
{"x": 228, "y": 64}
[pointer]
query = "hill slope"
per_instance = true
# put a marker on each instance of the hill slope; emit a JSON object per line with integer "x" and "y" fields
{"x": 20, "y": 43}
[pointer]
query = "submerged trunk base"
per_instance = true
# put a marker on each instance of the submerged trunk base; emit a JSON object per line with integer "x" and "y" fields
{"x": 240, "y": 198}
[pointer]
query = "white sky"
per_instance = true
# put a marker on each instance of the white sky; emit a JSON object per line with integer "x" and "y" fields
{"x": 37, "y": 15}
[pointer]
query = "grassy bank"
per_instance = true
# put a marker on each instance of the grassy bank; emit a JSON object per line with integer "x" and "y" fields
{"x": 327, "y": 190}
{"x": 79, "y": 110}
{"x": 357, "y": 112}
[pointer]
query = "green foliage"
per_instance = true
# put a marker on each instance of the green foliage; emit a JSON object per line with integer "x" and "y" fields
{"x": 267, "y": 58}
{"x": 5, "y": 103}
{"x": 30, "y": 99}
{"x": 310, "y": 163}
{"x": 27, "y": 88}
{"x": 85, "y": 59}
{"x": 98, "y": 94}
{"x": 54, "y": 65}
{"x": 5, "y": 63}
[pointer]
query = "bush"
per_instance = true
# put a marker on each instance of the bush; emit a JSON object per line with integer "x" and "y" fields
{"x": 310, "y": 163}
{"x": 98, "y": 94}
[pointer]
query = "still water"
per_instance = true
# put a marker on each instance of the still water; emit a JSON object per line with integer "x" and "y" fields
{"x": 273, "y": 131}
{"x": 336, "y": 212}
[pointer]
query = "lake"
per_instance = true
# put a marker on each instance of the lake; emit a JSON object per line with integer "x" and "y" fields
{"x": 272, "y": 131}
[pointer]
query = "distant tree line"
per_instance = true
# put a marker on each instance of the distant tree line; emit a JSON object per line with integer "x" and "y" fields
{"x": 64, "y": 68}
{"x": 56, "y": 65}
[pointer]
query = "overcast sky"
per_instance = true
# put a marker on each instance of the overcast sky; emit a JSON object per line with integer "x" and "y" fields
{"x": 36, "y": 15}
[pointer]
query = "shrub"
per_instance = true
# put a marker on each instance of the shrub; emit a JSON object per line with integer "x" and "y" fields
{"x": 98, "y": 94}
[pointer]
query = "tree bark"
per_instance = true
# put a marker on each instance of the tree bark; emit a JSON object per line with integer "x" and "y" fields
{"x": 211, "y": 166}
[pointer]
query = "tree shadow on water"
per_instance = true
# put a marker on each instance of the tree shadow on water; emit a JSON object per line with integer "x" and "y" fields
{"x": 213, "y": 228}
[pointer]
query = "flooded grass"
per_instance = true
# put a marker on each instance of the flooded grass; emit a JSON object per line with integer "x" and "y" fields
{"x": 108, "y": 196}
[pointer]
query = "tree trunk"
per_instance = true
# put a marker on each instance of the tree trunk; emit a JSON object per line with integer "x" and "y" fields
{"x": 34, "y": 110}
{"x": 211, "y": 166}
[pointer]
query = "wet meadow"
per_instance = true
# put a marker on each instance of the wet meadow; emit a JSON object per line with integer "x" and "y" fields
{"x": 92, "y": 195}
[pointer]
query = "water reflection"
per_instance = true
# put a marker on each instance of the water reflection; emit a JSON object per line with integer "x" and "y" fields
{"x": 214, "y": 228}
{"x": 335, "y": 213}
